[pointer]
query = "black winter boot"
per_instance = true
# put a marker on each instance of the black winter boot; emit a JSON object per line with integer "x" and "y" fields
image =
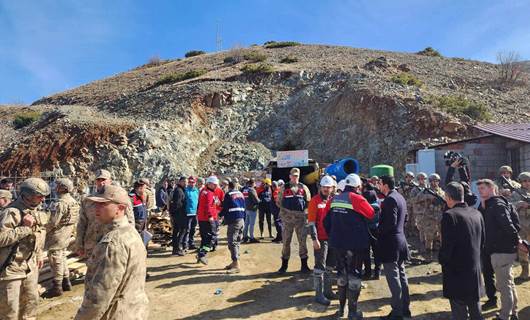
{"x": 67, "y": 285}
{"x": 305, "y": 267}
{"x": 328, "y": 286}
{"x": 283, "y": 268}
{"x": 353, "y": 297}
{"x": 55, "y": 291}
{"x": 342, "y": 302}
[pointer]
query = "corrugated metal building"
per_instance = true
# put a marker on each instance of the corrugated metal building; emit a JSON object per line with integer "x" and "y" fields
{"x": 499, "y": 144}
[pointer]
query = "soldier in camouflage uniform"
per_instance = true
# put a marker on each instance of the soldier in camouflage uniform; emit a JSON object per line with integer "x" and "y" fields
{"x": 89, "y": 231}
{"x": 521, "y": 200}
{"x": 431, "y": 209}
{"x": 5, "y": 198}
{"x": 115, "y": 279}
{"x": 406, "y": 188}
{"x": 22, "y": 234}
{"x": 150, "y": 202}
{"x": 64, "y": 213}
{"x": 414, "y": 205}
{"x": 505, "y": 182}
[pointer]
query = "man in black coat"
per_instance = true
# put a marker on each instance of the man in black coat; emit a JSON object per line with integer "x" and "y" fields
{"x": 463, "y": 236}
{"x": 177, "y": 212}
{"x": 392, "y": 249}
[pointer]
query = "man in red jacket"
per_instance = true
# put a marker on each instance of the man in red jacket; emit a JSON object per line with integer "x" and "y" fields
{"x": 207, "y": 215}
{"x": 316, "y": 212}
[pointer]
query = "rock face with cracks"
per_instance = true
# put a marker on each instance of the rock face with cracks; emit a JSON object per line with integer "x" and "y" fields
{"x": 333, "y": 101}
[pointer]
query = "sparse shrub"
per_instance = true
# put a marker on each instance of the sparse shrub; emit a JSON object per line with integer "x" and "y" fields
{"x": 460, "y": 105}
{"x": 289, "y": 59}
{"x": 257, "y": 68}
{"x": 430, "y": 52}
{"x": 255, "y": 56}
{"x": 154, "y": 61}
{"x": 177, "y": 77}
{"x": 236, "y": 55}
{"x": 194, "y": 53}
{"x": 510, "y": 68}
{"x": 280, "y": 44}
{"x": 405, "y": 78}
{"x": 26, "y": 118}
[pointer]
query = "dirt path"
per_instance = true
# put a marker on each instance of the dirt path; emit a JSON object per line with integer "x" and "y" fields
{"x": 181, "y": 289}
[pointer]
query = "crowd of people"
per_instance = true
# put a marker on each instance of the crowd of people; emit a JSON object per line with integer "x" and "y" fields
{"x": 357, "y": 227}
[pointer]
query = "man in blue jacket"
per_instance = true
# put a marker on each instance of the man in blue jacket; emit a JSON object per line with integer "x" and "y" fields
{"x": 392, "y": 248}
{"x": 348, "y": 235}
{"x": 192, "y": 201}
{"x": 234, "y": 216}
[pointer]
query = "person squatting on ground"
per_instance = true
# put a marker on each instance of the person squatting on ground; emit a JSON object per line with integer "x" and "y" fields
{"x": 115, "y": 278}
{"x": 251, "y": 202}
{"x": 324, "y": 257}
{"x": 208, "y": 216}
{"x": 22, "y": 235}
{"x": 265, "y": 197}
{"x": 502, "y": 243}
{"x": 392, "y": 248}
{"x": 88, "y": 230}
{"x": 463, "y": 236}
{"x": 234, "y": 215}
{"x": 64, "y": 213}
{"x": 521, "y": 200}
{"x": 293, "y": 200}
{"x": 348, "y": 235}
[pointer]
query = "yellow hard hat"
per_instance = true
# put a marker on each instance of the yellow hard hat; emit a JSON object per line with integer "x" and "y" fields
{"x": 267, "y": 181}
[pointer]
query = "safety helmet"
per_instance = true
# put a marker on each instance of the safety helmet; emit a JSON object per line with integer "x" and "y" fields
{"x": 353, "y": 180}
{"x": 434, "y": 176}
{"x": 524, "y": 176}
{"x": 212, "y": 179}
{"x": 422, "y": 174}
{"x": 281, "y": 182}
{"x": 66, "y": 183}
{"x": 410, "y": 174}
{"x": 267, "y": 181}
{"x": 327, "y": 181}
{"x": 341, "y": 185}
{"x": 506, "y": 169}
{"x": 35, "y": 186}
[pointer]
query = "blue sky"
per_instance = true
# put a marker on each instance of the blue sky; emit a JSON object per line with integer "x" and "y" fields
{"x": 48, "y": 46}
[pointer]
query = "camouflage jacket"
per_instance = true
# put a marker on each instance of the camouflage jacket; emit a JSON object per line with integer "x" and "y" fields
{"x": 429, "y": 205}
{"x": 64, "y": 214}
{"x": 115, "y": 279}
{"x": 518, "y": 201}
{"x": 89, "y": 230}
{"x": 30, "y": 240}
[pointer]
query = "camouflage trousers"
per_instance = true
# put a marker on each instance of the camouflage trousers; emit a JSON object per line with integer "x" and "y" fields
{"x": 58, "y": 265}
{"x": 19, "y": 298}
{"x": 430, "y": 233}
{"x": 294, "y": 221}
{"x": 523, "y": 256}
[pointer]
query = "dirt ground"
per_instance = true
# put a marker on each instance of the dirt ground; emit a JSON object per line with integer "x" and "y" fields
{"x": 179, "y": 288}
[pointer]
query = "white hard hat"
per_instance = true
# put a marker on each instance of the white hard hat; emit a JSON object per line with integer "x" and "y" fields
{"x": 327, "y": 181}
{"x": 353, "y": 180}
{"x": 212, "y": 179}
{"x": 341, "y": 185}
{"x": 281, "y": 182}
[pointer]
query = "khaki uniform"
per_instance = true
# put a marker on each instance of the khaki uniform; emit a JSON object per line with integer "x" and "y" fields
{"x": 64, "y": 214}
{"x": 89, "y": 230}
{"x": 430, "y": 210}
{"x": 294, "y": 221}
{"x": 414, "y": 218}
{"x": 115, "y": 279}
{"x": 524, "y": 219}
{"x": 406, "y": 191}
{"x": 150, "y": 201}
{"x": 504, "y": 189}
{"x": 18, "y": 282}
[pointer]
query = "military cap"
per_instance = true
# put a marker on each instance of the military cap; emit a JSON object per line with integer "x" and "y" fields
{"x": 295, "y": 172}
{"x": 146, "y": 181}
{"x": 65, "y": 182}
{"x": 111, "y": 193}
{"x": 4, "y": 194}
{"x": 506, "y": 169}
{"x": 35, "y": 186}
{"x": 103, "y": 174}
{"x": 524, "y": 176}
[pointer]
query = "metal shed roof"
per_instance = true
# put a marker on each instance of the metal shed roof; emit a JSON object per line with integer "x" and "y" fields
{"x": 515, "y": 131}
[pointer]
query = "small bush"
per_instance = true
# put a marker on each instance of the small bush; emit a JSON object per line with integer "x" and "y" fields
{"x": 26, "y": 118}
{"x": 255, "y": 56}
{"x": 281, "y": 44}
{"x": 154, "y": 61}
{"x": 430, "y": 52}
{"x": 194, "y": 53}
{"x": 289, "y": 59}
{"x": 177, "y": 77}
{"x": 257, "y": 68}
{"x": 459, "y": 105}
{"x": 405, "y": 78}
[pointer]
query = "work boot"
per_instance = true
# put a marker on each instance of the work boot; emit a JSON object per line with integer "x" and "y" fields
{"x": 55, "y": 291}
{"x": 490, "y": 304}
{"x": 342, "y": 302}
{"x": 66, "y": 285}
{"x": 234, "y": 267}
{"x": 377, "y": 273}
{"x": 318, "y": 280}
{"x": 524, "y": 272}
{"x": 283, "y": 268}
{"x": 353, "y": 296}
{"x": 305, "y": 268}
{"x": 328, "y": 286}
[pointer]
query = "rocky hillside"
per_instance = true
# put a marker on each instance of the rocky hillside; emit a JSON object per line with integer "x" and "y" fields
{"x": 229, "y": 111}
